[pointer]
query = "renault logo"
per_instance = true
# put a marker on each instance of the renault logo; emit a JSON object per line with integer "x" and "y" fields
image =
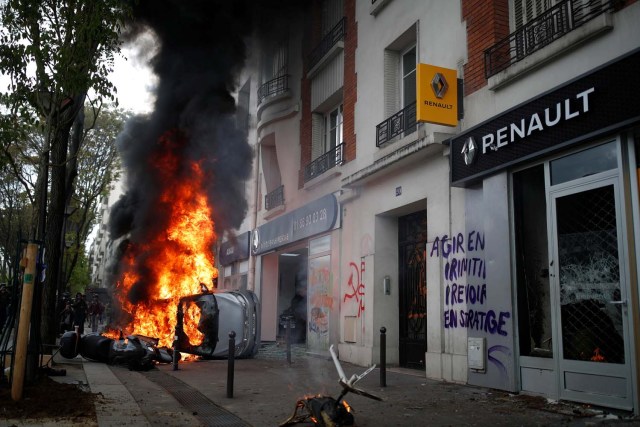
{"x": 255, "y": 241}
{"x": 469, "y": 151}
{"x": 439, "y": 85}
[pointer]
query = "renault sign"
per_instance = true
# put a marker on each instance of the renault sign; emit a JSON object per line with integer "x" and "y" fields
{"x": 437, "y": 95}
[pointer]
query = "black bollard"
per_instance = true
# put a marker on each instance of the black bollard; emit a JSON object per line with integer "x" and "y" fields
{"x": 232, "y": 356}
{"x": 174, "y": 356}
{"x": 383, "y": 357}
{"x": 287, "y": 334}
{"x": 176, "y": 337}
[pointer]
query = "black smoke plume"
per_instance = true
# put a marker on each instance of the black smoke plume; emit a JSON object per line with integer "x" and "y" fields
{"x": 200, "y": 53}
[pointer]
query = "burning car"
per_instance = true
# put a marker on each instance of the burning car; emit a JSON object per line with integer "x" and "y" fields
{"x": 138, "y": 352}
{"x": 213, "y": 315}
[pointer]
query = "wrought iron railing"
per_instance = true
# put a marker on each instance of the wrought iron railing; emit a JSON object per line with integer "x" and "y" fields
{"x": 273, "y": 87}
{"x": 328, "y": 160}
{"x": 404, "y": 121}
{"x": 274, "y": 199}
{"x": 336, "y": 34}
{"x": 559, "y": 20}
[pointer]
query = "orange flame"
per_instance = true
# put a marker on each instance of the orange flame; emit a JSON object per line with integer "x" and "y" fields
{"x": 178, "y": 257}
{"x": 597, "y": 357}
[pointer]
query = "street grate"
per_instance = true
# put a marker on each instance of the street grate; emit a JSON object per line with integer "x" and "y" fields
{"x": 202, "y": 408}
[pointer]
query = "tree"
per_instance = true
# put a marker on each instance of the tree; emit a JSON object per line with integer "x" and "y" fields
{"x": 98, "y": 167}
{"x": 54, "y": 52}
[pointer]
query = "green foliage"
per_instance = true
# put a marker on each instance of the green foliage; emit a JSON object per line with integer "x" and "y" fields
{"x": 80, "y": 275}
{"x": 55, "y": 54}
{"x": 55, "y": 49}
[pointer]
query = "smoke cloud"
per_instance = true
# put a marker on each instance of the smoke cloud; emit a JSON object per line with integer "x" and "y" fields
{"x": 201, "y": 49}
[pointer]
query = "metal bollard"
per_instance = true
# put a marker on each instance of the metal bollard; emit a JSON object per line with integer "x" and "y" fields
{"x": 176, "y": 337}
{"x": 287, "y": 334}
{"x": 232, "y": 356}
{"x": 383, "y": 357}
{"x": 174, "y": 356}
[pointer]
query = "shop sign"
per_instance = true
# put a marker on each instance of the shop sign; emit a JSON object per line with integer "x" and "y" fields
{"x": 236, "y": 249}
{"x": 314, "y": 218}
{"x": 583, "y": 109}
{"x": 437, "y": 95}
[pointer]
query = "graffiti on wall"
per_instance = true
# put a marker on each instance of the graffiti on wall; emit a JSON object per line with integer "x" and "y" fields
{"x": 465, "y": 295}
{"x": 320, "y": 303}
{"x": 355, "y": 285}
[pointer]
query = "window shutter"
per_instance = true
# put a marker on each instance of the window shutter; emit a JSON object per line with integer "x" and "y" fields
{"x": 317, "y": 134}
{"x": 526, "y": 10}
{"x": 391, "y": 82}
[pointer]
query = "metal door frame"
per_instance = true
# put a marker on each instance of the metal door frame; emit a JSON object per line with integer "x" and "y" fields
{"x": 562, "y": 366}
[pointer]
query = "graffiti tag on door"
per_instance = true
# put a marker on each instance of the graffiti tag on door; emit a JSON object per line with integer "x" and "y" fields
{"x": 355, "y": 284}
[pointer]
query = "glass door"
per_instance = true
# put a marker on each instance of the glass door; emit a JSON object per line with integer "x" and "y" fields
{"x": 587, "y": 277}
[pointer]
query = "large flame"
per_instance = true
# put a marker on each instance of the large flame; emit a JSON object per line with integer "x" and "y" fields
{"x": 178, "y": 257}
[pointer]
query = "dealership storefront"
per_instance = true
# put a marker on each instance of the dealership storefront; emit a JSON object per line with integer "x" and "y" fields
{"x": 553, "y": 185}
{"x": 296, "y": 267}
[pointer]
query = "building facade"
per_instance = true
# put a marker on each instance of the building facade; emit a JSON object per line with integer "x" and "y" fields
{"x": 497, "y": 251}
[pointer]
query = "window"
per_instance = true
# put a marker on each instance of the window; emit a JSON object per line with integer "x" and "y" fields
{"x": 409, "y": 82}
{"x": 242, "y": 111}
{"x": 271, "y": 172}
{"x": 333, "y": 129}
{"x": 327, "y": 146}
{"x": 332, "y": 12}
{"x": 274, "y": 79}
{"x": 523, "y": 11}
{"x": 400, "y": 59}
{"x": 536, "y": 24}
{"x": 274, "y": 61}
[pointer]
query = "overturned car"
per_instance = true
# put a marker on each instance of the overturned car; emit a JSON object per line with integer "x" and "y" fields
{"x": 218, "y": 314}
{"x": 209, "y": 317}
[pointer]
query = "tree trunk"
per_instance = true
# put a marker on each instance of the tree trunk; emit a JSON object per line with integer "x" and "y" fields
{"x": 53, "y": 236}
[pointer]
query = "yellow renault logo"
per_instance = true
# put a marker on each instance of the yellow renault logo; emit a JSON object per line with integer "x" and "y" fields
{"x": 436, "y": 95}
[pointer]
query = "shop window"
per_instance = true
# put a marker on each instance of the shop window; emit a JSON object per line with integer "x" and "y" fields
{"x": 584, "y": 163}
{"x": 532, "y": 263}
{"x": 320, "y": 245}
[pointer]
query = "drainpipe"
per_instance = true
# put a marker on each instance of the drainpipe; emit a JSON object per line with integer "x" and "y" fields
{"x": 251, "y": 275}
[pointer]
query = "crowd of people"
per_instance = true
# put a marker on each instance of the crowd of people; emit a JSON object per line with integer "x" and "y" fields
{"x": 74, "y": 312}
{"x": 77, "y": 312}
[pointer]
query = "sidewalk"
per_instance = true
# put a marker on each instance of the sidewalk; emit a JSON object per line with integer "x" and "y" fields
{"x": 265, "y": 391}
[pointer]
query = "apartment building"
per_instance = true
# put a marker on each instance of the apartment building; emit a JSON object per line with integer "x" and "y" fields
{"x": 103, "y": 249}
{"x": 498, "y": 250}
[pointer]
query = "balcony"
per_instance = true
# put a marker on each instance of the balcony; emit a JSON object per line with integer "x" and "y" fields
{"x": 404, "y": 121}
{"x": 336, "y": 34}
{"x": 273, "y": 87}
{"x": 328, "y": 160}
{"x": 274, "y": 199}
{"x": 553, "y": 24}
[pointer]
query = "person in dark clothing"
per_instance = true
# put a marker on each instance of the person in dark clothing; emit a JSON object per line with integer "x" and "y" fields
{"x": 95, "y": 311}
{"x": 80, "y": 310}
{"x": 66, "y": 318}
